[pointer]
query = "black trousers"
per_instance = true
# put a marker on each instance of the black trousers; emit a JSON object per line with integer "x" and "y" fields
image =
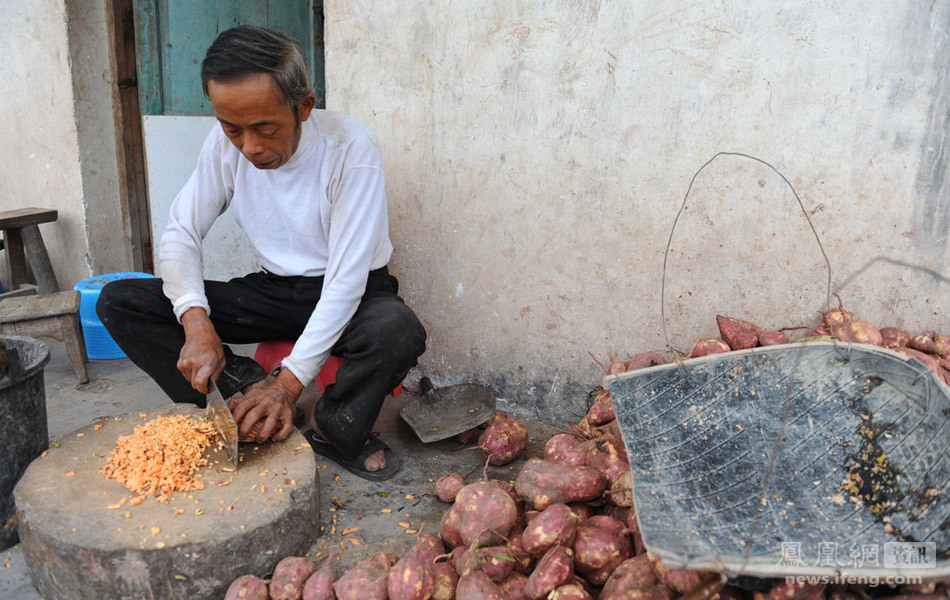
{"x": 381, "y": 343}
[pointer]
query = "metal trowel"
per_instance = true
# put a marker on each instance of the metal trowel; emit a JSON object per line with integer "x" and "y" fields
{"x": 219, "y": 414}
{"x": 440, "y": 414}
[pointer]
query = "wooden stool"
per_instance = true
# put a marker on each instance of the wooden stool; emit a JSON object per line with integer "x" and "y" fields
{"x": 48, "y": 315}
{"x": 22, "y": 240}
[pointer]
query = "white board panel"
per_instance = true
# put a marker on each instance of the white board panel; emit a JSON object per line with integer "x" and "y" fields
{"x": 172, "y": 144}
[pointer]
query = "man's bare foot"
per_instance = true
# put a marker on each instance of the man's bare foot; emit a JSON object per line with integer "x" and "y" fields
{"x": 308, "y": 399}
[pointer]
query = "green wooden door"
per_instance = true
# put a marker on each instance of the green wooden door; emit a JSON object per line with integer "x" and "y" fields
{"x": 173, "y": 35}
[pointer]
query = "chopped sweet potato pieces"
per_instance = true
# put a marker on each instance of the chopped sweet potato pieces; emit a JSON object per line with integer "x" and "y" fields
{"x": 161, "y": 457}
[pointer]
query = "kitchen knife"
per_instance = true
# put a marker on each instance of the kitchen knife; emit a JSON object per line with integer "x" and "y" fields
{"x": 219, "y": 414}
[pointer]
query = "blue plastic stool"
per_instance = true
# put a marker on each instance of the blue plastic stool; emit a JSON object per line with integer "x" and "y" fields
{"x": 99, "y": 344}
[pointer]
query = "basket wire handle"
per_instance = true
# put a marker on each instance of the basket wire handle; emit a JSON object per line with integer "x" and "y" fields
{"x": 669, "y": 242}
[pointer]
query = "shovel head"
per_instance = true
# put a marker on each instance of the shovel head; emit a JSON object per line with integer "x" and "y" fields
{"x": 449, "y": 411}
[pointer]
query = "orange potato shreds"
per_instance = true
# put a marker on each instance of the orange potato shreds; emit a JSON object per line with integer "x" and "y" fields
{"x": 161, "y": 456}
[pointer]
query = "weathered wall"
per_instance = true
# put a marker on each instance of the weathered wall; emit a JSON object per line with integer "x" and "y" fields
{"x": 40, "y": 157}
{"x": 538, "y": 153}
{"x": 59, "y": 131}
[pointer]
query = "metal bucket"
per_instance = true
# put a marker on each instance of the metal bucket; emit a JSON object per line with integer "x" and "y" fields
{"x": 24, "y": 433}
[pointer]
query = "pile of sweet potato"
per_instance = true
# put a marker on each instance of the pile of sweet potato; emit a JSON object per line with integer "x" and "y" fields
{"x": 836, "y": 324}
{"x": 566, "y": 527}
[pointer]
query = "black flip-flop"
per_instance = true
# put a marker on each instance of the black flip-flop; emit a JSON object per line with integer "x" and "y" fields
{"x": 355, "y": 466}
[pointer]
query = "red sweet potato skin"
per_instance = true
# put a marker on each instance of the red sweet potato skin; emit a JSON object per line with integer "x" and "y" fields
{"x": 942, "y": 345}
{"x": 859, "y": 332}
{"x": 609, "y": 456}
{"x": 556, "y": 525}
{"x": 566, "y": 448}
{"x": 543, "y": 483}
{"x": 772, "y": 338}
{"x": 922, "y": 342}
{"x": 367, "y": 579}
{"x": 513, "y": 586}
{"x": 602, "y": 409}
{"x": 894, "y": 337}
{"x": 476, "y": 585}
{"x": 448, "y": 486}
{"x": 428, "y": 546}
{"x": 289, "y": 577}
{"x": 570, "y": 591}
{"x": 645, "y": 359}
{"x": 483, "y": 511}
{"x": 319, "y": 586}
{"x": 247, "y": 587}
{"x": 555, "y": 568}
{"x": 633, "y": 573}
{"x": 707, "y": 346}
{"x": 738, "y": 334}
{"x": 503, "y": 441}
{"x": 496, "y": 561}
{"x": 601, "y": 543}
{"x": 444, "y": 581}
{"x": 410, "y": 579}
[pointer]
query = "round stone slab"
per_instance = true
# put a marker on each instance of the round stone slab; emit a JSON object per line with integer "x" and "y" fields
{"x": 81, "y": 540}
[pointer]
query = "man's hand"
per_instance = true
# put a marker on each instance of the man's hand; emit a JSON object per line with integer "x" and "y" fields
{"x": 266, "y": 411}
{"x": 202, "y": 356}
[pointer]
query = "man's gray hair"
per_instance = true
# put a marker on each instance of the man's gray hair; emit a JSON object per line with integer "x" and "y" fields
{"x": 250, "y": 49}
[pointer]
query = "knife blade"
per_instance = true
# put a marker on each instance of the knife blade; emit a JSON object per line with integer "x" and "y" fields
{"x": 219, "y": 414}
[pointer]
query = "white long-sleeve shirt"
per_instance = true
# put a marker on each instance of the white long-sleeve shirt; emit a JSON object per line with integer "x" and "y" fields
{"x": 323, "y": 212}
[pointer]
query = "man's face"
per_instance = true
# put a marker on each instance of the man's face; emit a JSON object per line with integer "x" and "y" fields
{"x": 255, "y": 118}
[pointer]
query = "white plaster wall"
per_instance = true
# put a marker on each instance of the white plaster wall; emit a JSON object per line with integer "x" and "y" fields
{"x": 39, "y": 156}
{"x": 172, "y": 144}
{"x": 538, "y": 153}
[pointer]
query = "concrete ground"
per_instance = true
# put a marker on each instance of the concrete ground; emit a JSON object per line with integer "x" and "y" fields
{"x": 358, "y": 517}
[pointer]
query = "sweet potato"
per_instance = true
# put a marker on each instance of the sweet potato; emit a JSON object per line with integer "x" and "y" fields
{"x": 289, "y": 576}
{"x": 570, "y": 591}
{"x": 609, "y": 456}
{"x": 654, "y": 592}
{"x": 858, "y": 332}
{"x": 247, "y": 587}
{"x": 410, "y": 579}
{"x": 503, "y": 441}
{"x": 428, "y": 547}
{"x": 678, "y": 580}
{"x": 930, "y": 361}
{"x": 448, "y": 486}
{"x": 513, "y": 586}
{"x": 772, "y": 338}
{"x": 922, "y": 342}
{"x": 582, "y": 511}
{"x": 496, "y": 561}
{"x": 894, "y": 337}
{"x": 483, "y": 511}
{"x": 616, "y": 366}
{"x": 633, "y": 573}
{"x": 556, "y": 525}
{"x": 523, "y": 560}
{"x": 633, "y": 526}
{"x": 368, "y": 579}
{"x": 498, "y": 416}
{"x": 601, "y": 544}
{"x": 601, "y": 409}
{"x": 707, "y": 346}
{"x": 319, "y": 586}
{"x": 942, "y": 345}
{"x": 447, "y": 531}
{"x": 444, "y": 581}
{"x": 835, "y": 316}
{"x": 543, "y": 483}
{"x": 621, "y": 490}
{"x": 566, "y": 448}
{"x": 555, "y": 568}
{"x": 476, "y": 585}
{"x": 645, "y": 359}
{"x": 739, "y": 334}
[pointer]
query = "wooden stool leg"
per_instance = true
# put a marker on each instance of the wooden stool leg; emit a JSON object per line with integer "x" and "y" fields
{"x": 39, "y": 260}
{"x": 13, "y": 244}
{"x": 75, "y": 346}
